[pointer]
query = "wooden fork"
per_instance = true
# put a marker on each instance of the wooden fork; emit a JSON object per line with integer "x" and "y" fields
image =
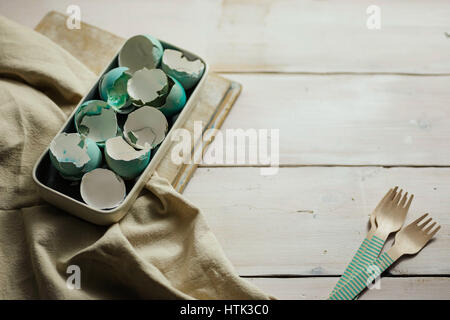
{"x": 409, "y": 240}
{"x": 371, "y": 247}
{"x": 390, "y": 218}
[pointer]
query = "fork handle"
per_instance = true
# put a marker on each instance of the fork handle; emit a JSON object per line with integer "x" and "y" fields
{"x": 351, "y": 268}
{"x": 363, "y": 278}
{"x": 366, "y": 254}
{"x": 371, "y": 253}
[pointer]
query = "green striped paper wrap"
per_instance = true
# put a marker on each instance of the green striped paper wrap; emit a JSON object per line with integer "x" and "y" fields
{"x": 360, "y": 280}
{"x": 366, "y": 254}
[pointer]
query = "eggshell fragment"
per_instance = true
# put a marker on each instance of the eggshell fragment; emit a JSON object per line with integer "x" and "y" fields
{"x": 144, "y": 126}
{"x": 102, "y": 189}
{"x": 175, "y": 101}
{"x": 124, "y": 160}
{"x": 148, "y": 87}
{"x": 96, "y": 120}
{"x": 187, "y": 72}
{"x": 140, "y": 51}
{"x": 113, "y": 88}
{"x": 73, "y": 155}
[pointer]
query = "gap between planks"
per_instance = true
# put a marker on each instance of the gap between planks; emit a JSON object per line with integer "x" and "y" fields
{"x": 326, "y": 166}
{"x": 279, "y": 35}
{"x": 295, "y": 276}
{"x": 344, "y": 120}
{"x": 264, "y": 232}
{"x": 435, "y": 288}
{"x": 324, "y": 74}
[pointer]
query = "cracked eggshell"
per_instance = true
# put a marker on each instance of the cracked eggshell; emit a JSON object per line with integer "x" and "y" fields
{"x": 140, "y": 51}
{"x": 146, "y": 125}
{"x": 113, "y": 88}
{"x": 124, "y": 160}
{"x": 175, "y": 101}
{"x": 187, "y": 72}
{"x": 96, "y": 120}
{"x": 73, "y": 155}
{"x": 149, "y": 87}
{"x": 102, "y": 189}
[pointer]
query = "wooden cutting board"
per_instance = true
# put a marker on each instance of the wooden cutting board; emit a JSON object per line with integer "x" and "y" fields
{"x": 96, "y": 48}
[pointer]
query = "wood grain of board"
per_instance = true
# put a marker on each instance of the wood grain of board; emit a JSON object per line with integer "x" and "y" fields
{"x": 414, "y": 288}
{"x": 277, "y": 36}
{"x": 310, "y": 220}
{"x": 348, "y": 119}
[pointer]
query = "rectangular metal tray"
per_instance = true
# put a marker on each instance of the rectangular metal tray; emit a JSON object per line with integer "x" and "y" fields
{"x": 66, "y": 194}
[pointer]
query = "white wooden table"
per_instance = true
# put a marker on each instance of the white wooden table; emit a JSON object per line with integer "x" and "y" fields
{"x": 358, "y": 110}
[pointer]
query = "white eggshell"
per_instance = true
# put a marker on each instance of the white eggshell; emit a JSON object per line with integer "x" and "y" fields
{"x": 140, "y": 51}
{"x": 144, "y": 126}
{"x": 66, "y": 147}
{"x": 148, "y": 87}
{"x": 102, "y": 189}
{"x": 187, "y": 72}
{"x": 72, "y": 155}
{"x": 99, "y": 118}
{"x": 124, "y": 160}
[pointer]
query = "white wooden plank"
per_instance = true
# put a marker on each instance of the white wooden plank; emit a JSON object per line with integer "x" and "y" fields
{"x": 287, "y": 36}
{"x": 186, "y": 24}
{"x": 348, "y": 119}
{"x": 414, "y": 288}
{"x": 332, "y": 36}
{"x": 311, "y": 220}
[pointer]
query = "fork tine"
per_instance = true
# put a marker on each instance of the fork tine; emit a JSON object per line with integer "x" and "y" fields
{"x": 434, "y": 232}
{"x": 409, "y": 202}
{"x": 420, "y": 219}
{"x": 402, "y": 202}
{"x": 394, "y": 193}
{"x": 397, "y": 197}
{"x": 423, "y": 225}
{"x": 385, "y": 198}
{"x": 388, "y": 193}
{"x": 430, "y": 227}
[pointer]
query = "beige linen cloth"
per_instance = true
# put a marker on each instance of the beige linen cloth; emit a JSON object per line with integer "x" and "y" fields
{"x": 162, "y": 249}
